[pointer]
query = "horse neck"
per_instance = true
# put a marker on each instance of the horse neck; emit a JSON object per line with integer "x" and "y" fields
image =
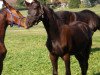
{"x": 3, "y": 25}
{"x": 3, "y": 17}
{"x": 51, "y": 24}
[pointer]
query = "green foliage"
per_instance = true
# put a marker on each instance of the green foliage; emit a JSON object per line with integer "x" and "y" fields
{"x": 43, "y": 1}
{"x": 20, "y": 4}
{"x": 86, "y": 3}
{"x": 74, "y": 3}
{"x": 93, "y": 2}
{"x": 82, "y": 6}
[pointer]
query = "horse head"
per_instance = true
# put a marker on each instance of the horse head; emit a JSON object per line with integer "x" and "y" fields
{"x": 35, "y": 12}
{"x": 14, "y": 16}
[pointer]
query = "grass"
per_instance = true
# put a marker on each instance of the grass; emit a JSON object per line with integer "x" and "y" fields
{"x": 27, "y": 54}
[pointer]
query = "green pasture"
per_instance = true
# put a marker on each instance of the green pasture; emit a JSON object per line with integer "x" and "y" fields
{"x": 28, "y": 55}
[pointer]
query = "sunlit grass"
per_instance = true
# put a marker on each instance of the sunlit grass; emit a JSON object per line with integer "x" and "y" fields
{"x": 28, "y": 55}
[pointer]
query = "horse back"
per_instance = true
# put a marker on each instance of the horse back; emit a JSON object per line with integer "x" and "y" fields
{"x": 66, "y": 16}
{"x": 86, "y": 16}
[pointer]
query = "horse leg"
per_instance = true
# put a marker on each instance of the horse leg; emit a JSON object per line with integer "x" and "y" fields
{"x": 3, "y": 52}
{"x": 83, "y": 61}
{"x": 54, "y": 61}
{"x": 66, "y": 59}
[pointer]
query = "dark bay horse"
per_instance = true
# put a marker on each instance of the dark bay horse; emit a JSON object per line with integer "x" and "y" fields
{"x": 87, "y": 16}
{"x": 8, "y": 16}
{"x": 62, "y": 40}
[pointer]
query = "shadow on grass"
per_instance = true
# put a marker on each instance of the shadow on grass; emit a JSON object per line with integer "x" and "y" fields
{"x": 95, "y": 49}
{"x": 97, "y": 73}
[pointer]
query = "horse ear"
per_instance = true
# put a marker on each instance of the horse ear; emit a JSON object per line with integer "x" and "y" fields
{"x": 6, "y": 4}
{"x": 27, "y": 4}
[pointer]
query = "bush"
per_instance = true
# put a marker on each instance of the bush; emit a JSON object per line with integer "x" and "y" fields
{"x": 82, "y": 5}
{"x": 92, "y": 2}
{"x": 20, "y": 4}
{"x": 85, "y": 3}
{"x": 74, "y": 3}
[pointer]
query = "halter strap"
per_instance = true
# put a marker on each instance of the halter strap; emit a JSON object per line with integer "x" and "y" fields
{"x": 12, "y": 15}
{"x": 40, "y": 15}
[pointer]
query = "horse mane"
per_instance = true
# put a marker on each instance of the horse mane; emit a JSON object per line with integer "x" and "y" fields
{"x": 54, "y": 22}
{"x": 2, "y": 11}
{"x": 54, "y": 16}
{"x": 51, "y": 11}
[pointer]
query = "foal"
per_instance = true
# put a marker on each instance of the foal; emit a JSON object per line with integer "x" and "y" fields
{"x": 8, "y": 16}
{"x": 87, "y": 16}
{"x": 62, "y": 40}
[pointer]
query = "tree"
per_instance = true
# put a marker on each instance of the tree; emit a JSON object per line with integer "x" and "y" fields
{"x": 92, "y": 2}
{"x": 74, "y": 3}
{"x": 20, "y": 3}
{"x": 85, "y": 3}
{"x": 43, "y": 1}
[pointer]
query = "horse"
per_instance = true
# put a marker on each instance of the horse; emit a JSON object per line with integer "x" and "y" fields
{"x": 87, "y": 16}
{"x": 62, "y": 40}
{"x": 8, "y": 16}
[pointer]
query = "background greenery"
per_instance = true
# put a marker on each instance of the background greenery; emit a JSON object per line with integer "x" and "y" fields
{"x": 74, "y": 3}
{"x": 71, "y": 3}
{"x": 27, "y": 54}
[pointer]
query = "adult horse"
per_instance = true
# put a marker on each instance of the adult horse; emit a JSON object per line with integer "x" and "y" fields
{"x": 62, "y": 40}
{"x": 8, "y": 16}
{"x": 87, "y": 16}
